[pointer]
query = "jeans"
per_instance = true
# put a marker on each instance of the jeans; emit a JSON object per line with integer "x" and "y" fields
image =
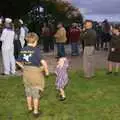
{"x": 74, "y": 49}
{"x": 60, "y": 50}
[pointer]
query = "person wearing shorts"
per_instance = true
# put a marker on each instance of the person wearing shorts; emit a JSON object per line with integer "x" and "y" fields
{"x": 33, "y": 65}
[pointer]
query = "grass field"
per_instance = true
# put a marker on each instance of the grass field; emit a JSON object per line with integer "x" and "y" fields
{"x": 96, "y": 99}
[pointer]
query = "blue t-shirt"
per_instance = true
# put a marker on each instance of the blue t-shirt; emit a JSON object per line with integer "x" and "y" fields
{"x": 30, "y": 56}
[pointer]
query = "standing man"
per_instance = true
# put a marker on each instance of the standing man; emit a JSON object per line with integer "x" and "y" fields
{"x": 89, "y": 38}
{"x": 17, "y": 42}
{"x": 52, "y": 32}
{"x": 74, "y": 36}
{"x": 61, "y": 39}
{"x": 106, "y": 37}
{"x": 1, "y": 28}
{"x": 99, "y": 34}
{"x": 22, "y": 34}
{"x": 46, "y": 37}
{"x": 7, "y": 39}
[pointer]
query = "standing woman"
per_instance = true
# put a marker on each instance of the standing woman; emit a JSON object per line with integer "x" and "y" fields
{"x": 7, "y": 39}
{"x": 114, "y": 54}
{"x": 61, "y": 38}
{"x": 46, "y": 37}
{"x": 17, "y": 43}
{"x": 106, "y": 34}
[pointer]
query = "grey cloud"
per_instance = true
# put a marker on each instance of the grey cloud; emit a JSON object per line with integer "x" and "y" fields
{"x": 99, "y": 6}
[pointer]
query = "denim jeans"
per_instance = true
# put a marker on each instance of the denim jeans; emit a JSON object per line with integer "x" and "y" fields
{"x": 60, "y": 50}
{"x": 74, "y": 49}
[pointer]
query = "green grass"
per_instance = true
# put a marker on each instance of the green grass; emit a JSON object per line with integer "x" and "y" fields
{"x": 96, "y": 99}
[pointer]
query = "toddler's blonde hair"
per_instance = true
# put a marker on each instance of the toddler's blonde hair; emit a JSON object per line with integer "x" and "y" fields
{"x": 32, "y": 37}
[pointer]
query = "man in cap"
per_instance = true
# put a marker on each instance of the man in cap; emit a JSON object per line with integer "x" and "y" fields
{"x": 8, "y": 21}
{"x": 7, "y": 39}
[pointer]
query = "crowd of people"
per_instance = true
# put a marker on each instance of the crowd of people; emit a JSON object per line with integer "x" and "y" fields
{"x": 20, "y": 48}
{"x": 12, "y": 39}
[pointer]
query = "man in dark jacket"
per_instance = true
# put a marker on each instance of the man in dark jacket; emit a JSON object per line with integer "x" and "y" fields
{"x": 89, "y": 38}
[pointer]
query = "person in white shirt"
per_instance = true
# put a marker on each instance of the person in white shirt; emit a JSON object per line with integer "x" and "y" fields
{"x": 7, "y": 39}
{"x": 22, "y": 34}
{"x": 1, "y": 28}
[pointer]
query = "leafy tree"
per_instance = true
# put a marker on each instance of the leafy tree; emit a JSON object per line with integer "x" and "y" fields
{"x": 55, "y": 9}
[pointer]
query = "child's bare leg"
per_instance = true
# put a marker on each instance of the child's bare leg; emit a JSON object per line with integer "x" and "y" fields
{"x": 29, "y": 103}
{"x": 110, "y": 66}
{"x": 116, "y": 67}
{"x": 36, "y": 105}
{"x": 36, "y": 96}
{"x": 62, "y": 93}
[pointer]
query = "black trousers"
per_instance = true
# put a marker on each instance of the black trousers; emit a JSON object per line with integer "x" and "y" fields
{"x": 46, "y": 43}
{"x": 83, "y": 45}
{"x": 17, "y": 48}
{"x": 51, "y": 43}
{"x": 0, "y": 45}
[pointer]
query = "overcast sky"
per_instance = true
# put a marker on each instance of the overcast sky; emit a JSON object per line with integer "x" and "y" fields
{"x": 99, "y": 9}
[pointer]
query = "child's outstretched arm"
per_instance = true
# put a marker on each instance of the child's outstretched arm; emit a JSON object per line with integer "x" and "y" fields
{"x": 20, "y": 64}
{"x": 44, "y": 63}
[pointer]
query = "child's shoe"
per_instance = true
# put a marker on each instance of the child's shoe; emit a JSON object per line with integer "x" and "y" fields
{"x": 109, "y": 73}
{"x": 62, "y": 98}
{"x": 37, "y": 114}
{"x": 30, "y": 110}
